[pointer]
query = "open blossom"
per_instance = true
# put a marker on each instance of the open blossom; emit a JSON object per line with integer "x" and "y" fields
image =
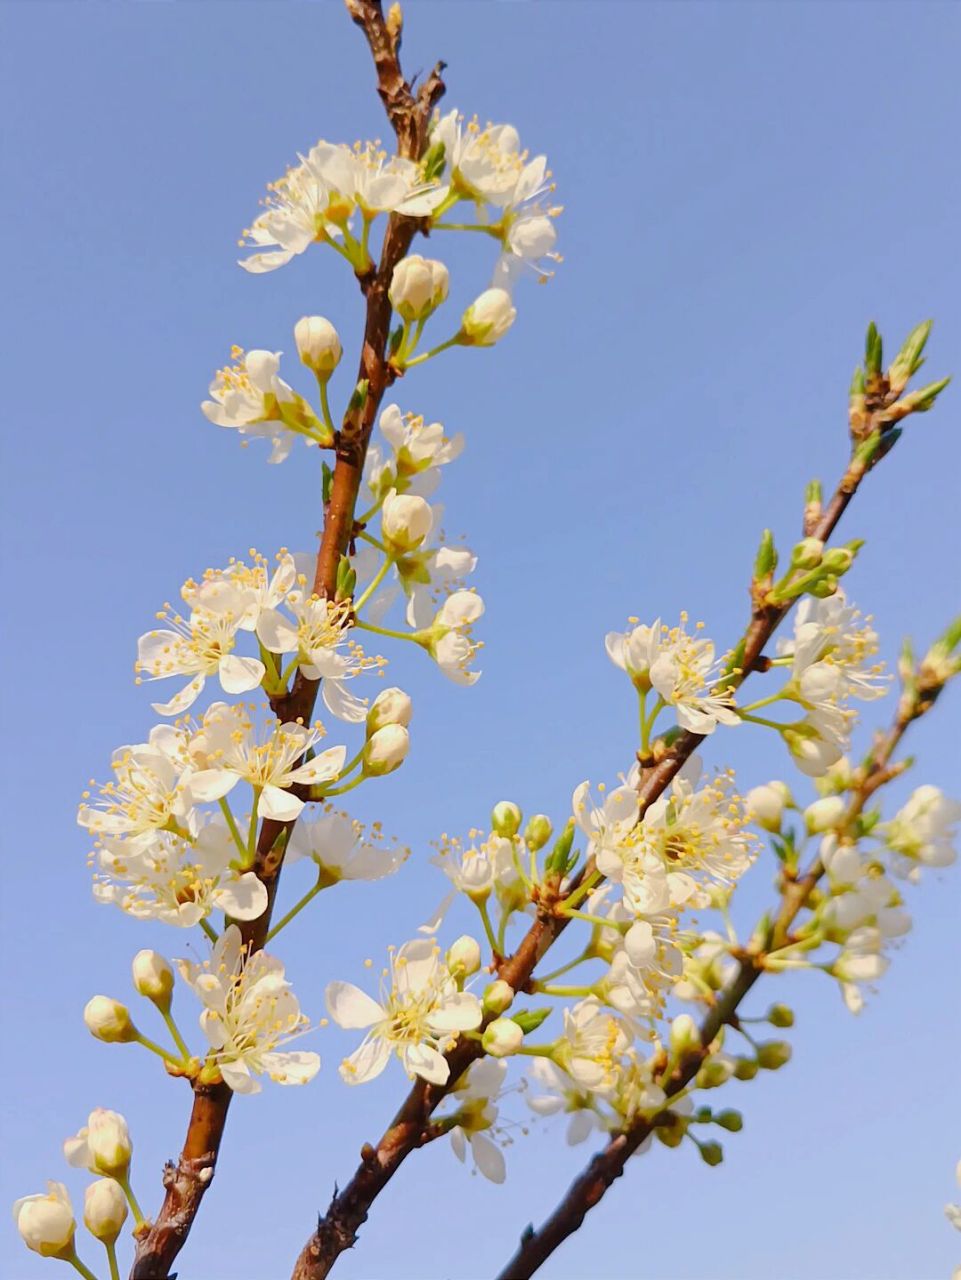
{"x": 178, "y": 881}
{"x": 449, "y": 640}
{"x": 319, "y": 633}
{"x": 103, "y": 1146}
{"x": 593, "y": 1043}
{"x": 476, "y": 1097}
{"x": 636, "y": 1093}
{"x": 820, "y": 740}
{"x": 227, "y": 750}
{"x": 418, "y": 286}
{"x": 251, "y": 397}
{"x": 681, "y": 668}
{"x": 832, "y": 633}
{"x": 336, "y": 843}
{"x": 258, "y": 586}
{"x": 249, "y": 1011}
{"x": 612, "y": 831}
{"x": 315, "y": 199}
{"x": 480, "y": 868}
{"x": 557, "y": 1094}
{"x": 861, "y": 961}
{"x": 418, "y": 447}
{"x": 200, "y": 646}
{"x": 149, "y": 792}
{"x": 418, "y": 1016}
{"x": 923, "y": 832}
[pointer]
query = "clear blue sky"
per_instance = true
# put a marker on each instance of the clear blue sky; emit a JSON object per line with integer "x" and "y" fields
{"x": 746, "y": 185}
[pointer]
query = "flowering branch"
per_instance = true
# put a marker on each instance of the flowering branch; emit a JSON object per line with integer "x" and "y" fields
{"x": 187, "y": 1180}
{"x": 337, "y": 1229}
{"x": 591, "y": 1185}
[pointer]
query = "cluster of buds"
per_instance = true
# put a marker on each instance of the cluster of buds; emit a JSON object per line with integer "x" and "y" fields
{"x": 877, "y": 401}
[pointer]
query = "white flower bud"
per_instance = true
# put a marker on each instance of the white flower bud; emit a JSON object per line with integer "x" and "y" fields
{"x": 498, "y": 997}
{"x": 318, "y": 345}
{"x": 104, "y": 1209}
{"x": 684, "y": 1034}
{"x": 386, "y": 750}
{"x": 766, "y": 804}
{"x": 406, "y": 520}
{"x": 109, "y": 1020}
{"x": 538, "y": 831}
{"x": 107, "y": 1147}
{"x": 502, "y": 1038}
{"x": 46, "y": 1223}
{"x": 487, "y": 318}
{"x": 824, "y": 814}
{"x": 153, "y": 977}
{"x": 464, "y": 956}
{"x": 506, "y": 819}
{"x": 392, "y": 706}
{"x": 418, "y": 287}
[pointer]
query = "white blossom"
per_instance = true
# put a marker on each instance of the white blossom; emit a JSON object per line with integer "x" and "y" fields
{"x": 249, "y": 1011}
{"x": 592, "y": 1045}
{"x": 560, "y": 1094}
{"x": 150, "y": 790}
{"x": 254, "y": 400}
{"x": 418, "y": 1016}
{"x": 476, "y": 1094}
{"x": 449, "y": 640}
{"x": 103, "y": 1146}
{"x": 922, "y": 833}
{"x": 337, "y": 845}
{"x": 46, "y": 1222}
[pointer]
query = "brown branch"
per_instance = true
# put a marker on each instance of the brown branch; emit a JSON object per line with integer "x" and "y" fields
{"x": 188, "y": 1179}
{"x": 348, "y": 1210}
{"x": 590, "y": 1186}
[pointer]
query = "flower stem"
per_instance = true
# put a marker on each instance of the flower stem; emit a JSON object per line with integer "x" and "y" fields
{"x": 584, "y": 915}
{"x": 111, "y": 1247}
{"x": 161, "y": 1053}
{"x": 576, "y": 992}
{"x": 582, "y": 890}
{"x": 78, "y": 1266}
{"x": 296, "y": 908}
{"x": 566, "y": 968}
{"x": 325, "y": 404}
{"x": 434, "y": 351}
{"x": 251, "y": 855}
{"x": 386, "y": 631}
{"x": 374, "y": 583}
{"x": 209, "y": 931}
{"x": 763, "y": 702}
{"x": 768, "y": 724}
{"x": 127, "y": 1189}
{"x": 232, "y": 826}
{"x": 490, "y": 229}
{"x": 488, "y": 927}
{"x": 175, "y": 1032}
{"x": 348, "y": 786}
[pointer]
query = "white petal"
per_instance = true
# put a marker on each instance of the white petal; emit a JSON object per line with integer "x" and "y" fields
{"x": 488, "y": 1157}
{"x": 237, "y": 1076}
{"x": 238, "y": 675}
{"x": 211, "y": 784}
{"x": 350, "y": 1007}
{"x": 280, "y": 805}
{"x": 322, "y": 768}
{"x": 297, "y": 1067}
{"x": 366, "y": 1062}
{"x": 421, "y": 1060}
{"x": 187, "y": 696}
{"x": 342, "y": 703}
{"x": 244, "y": 898}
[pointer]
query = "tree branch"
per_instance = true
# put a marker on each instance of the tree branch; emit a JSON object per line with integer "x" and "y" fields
{"x": 188, "y": 1179}
{"x": 590, "y": 1186}
{"x": 348, "y": 1210}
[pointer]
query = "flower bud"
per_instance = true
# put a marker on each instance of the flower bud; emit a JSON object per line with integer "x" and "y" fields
{"x": 109, "y": 1020}
{"x": 502, "y": 1038}
{"x": 498, "y": 997}
{"x": 684, "y": 1035}
{"x": 46, "y": 1223}
{"x": 779, "y": 1015}
{"x": 386, "y": 750}
{"x": 406, "y": 520}
{"x": 418, "y": 287}
{"x": 104, "y": 1209}
{"x": 730, "y": 1120}
{"x": 153, "y": 977}
{"x": 538, "y": 831}
{"x": 773, "y": 1054}
{"x": 712, "y": 1153}
{"x": 766, "y": 804}
{"x": 464, "y": 956}
{"x": 824, "y": 814}
{"x": 103, "y": 1147}
{"x": 318, "y": 345}
{"x": 392, "y": 706}
{"x": 824, "y": 588}
{"x": 745, "y": 1069}
{"x": 487, "y": 318}
{"x": 714, "y": 1073}
{"x": 807, "y": 553}
{"x": 506, "y": 819}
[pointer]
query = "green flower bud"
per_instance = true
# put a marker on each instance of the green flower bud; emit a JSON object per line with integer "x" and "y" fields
{"x": 779, "y": 1015}
{"x": 745, "y": 1069}
{"x": 807, "y": 553}
{"x": 712, "y": 1153}
{"x": 730, "y": 1120}
{"x": 538, "y": 831}
{"x": 506, "y": 819}
{"x": 773, "y": 1054}
{"x": 498, "y": 997}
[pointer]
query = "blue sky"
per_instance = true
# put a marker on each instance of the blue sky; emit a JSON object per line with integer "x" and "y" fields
{"x": 745, "y": 186}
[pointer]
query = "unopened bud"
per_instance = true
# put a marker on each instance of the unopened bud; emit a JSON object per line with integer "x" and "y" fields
{"x": 506, "y": 819}
{"x": 318, "y": 345}
{"x": 385, "y": 750}
{"x": 392, "y": 706}
{"x": 773, "y": 1054}
{"x": 730, "y": 1120}
{"x": 487, "y": 319}
{"x": 406, "y": 520}
{"x": 418, "y": 287}
{"x": 824, "y": 588}
{"x": 824, "y": 814}
{"x": 838, "y": 559}
{"x": 712, "y": 1153}
{"x": 103, "y": 1146}
{"x": 109, "y": 1020}
{"x": 684, "y": 1035}
{"x": 766, "y": 804}
{"x": 153, "y": 977}
{"x": 538, "y": 831}
{"x": 498, "y": 997}
{"x": 745, "y": 1069}
{"x": 807, "y": 553}
{"x": 464, "y": 956}
{"x": 502, "y": 1038}
{"x": 46, "y": 1223}
{"x": 714, "y": 1073}
{"x": 104, "y": 1209}
{"x": 780, "y": 1015}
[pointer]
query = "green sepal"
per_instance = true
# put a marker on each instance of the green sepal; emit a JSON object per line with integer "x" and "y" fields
{"x": 530, "y": 1019}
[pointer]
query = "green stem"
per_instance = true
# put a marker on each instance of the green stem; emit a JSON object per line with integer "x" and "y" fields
{"x": 289, "y": 670}
{"x": 271, "y": 682}
{"x": 566, "y": 968}
{"x": 489, "y": 229}
{"x": 582, "y": 890}
{"x": 410, "y": 347}
{"x": 374, "y": 583}
{"x": 575, "y": 992}
{"x": 488, "y": 927}
{"x": 78, "y": 1266}
{"x": 155, "y": 1048}
{"x": 435, "y": 351}
{"x": 536, "y": 1050}
{"x": 325, "y": 403}
{"x": 763, "y": 702}
{"x": 297, "y": 908}
{"x": 209, "y": 931}
{"x": 232, "y": 827}
{"x": 111, "y": 1247}
{"x": 584, "y": 915}
{"x": 768, "y": 724}
{"x": 374, "y": 542}
{"x": 371, "y": 511}
{"x": 386, "y": 631}
{"x": 127, "y": 1189}
{"x": 251, "y": 855}
{"x": 348, "y": 786}
{"x": 648, "y": 724}
{"x": 175, "y": 1032}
